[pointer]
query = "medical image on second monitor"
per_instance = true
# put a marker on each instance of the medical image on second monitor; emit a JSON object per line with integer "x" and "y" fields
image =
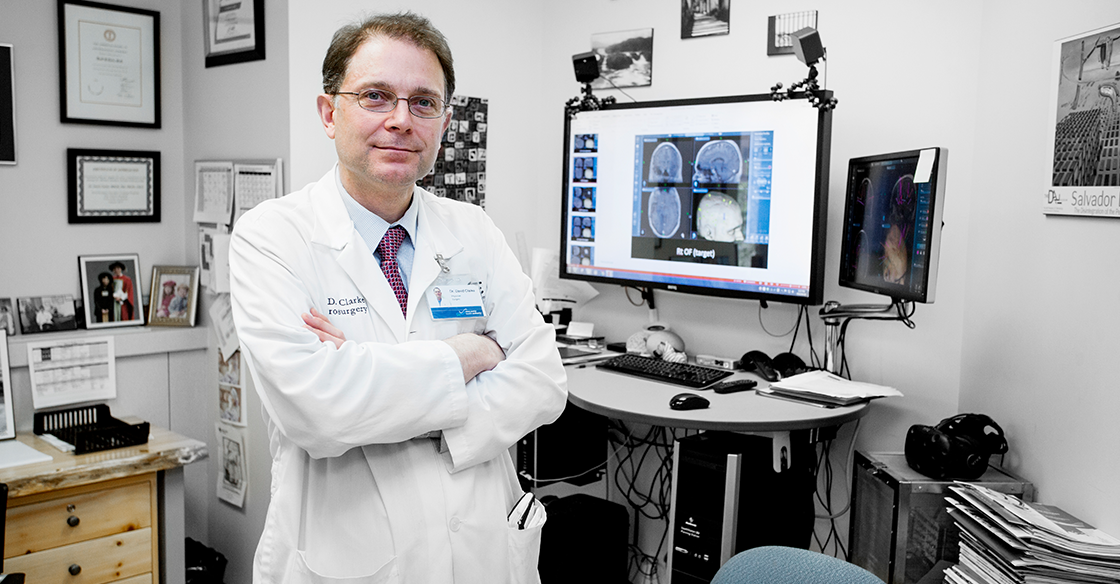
{"x": 882, "y": 217}
{"x": 583, "y": 228}
{"x": 583, "y": 169}
{"x": 583, "y": 255}
{"x": 583, "y": 199}
{"x": 583, "y": 143}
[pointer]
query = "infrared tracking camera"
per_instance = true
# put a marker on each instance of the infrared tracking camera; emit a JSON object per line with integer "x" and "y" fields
{"x": 586, "y": 66}
{"x": 807, "y": 46}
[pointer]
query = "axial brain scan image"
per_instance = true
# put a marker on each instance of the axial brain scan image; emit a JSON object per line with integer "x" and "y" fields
{"x": 664, "y": 210}
{"x": 719, "y": 218}
{"x": 719, "y": 161}
{"x": 665, "y": 164}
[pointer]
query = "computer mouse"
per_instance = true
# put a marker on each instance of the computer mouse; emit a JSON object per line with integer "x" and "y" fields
{"x": 688, "y": 401}
{"x": 761, "y": 363}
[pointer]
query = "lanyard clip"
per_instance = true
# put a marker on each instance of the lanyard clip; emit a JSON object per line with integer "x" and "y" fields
{"x": 442, "y": 261}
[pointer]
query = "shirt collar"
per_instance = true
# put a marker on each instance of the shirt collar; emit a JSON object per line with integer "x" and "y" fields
{"x": 368, "y": 224}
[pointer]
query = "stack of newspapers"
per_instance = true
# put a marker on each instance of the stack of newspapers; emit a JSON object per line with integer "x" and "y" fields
{"x": 1005, "y": 540}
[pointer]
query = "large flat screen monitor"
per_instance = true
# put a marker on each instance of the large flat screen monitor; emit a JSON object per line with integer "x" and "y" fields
{"x": 721, "y": 196}
{"x": 892, "y": 223}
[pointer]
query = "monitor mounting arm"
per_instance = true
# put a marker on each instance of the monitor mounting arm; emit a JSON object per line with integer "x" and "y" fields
{"x": 836, "y": 316}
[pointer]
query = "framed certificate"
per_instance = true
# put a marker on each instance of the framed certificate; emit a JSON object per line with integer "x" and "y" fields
{"x": 234, "y": 31}
{"x": 113, "y": 186}
{"x": 109, "y": 64}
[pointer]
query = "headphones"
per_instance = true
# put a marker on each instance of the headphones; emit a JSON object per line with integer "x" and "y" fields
{"x": 956, "y": 448}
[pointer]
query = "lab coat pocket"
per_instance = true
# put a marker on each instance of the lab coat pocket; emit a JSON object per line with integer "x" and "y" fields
{"x": 524, "y": 551}
{"x": 386, "y": 574}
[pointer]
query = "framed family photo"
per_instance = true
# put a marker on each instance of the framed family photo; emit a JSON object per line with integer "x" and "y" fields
{"x": 41, "y": 314}
{"x": 174, "y": 297}
{"x": 111, "y": 290}
{"x": 108, "y": 64}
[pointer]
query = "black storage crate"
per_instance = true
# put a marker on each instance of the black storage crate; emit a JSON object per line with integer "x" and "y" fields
{"x": 90, "y": 428}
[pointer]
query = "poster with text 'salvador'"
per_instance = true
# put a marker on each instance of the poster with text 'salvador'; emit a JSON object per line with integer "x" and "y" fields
{"x": 1084, "y": 174}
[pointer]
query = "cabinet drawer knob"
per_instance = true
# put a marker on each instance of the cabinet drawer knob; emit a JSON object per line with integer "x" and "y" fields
{"x": 73, "y": 521}
{"x": 75, "y": 569}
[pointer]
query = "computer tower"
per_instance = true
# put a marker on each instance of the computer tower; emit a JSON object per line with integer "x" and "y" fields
{"x": 901, "y": 530}
{"x": 572, "y": 449}
{"x": 727, "y": 497}
{"x": 584, "y": 540}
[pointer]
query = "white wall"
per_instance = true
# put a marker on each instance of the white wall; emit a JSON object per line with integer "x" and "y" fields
{"x": 39, "y": 248}
{"x": 1040, "y": 350}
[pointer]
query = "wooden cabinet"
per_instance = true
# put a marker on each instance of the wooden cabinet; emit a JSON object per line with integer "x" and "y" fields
{"x": 90, "y": 534}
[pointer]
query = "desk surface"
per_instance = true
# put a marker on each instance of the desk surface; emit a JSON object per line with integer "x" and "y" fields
{"x": 164, "y": 450}
{"x": 635, "y": 399}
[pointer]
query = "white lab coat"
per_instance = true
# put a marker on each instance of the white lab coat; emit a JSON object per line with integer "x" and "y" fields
{"x": 355, "y": 498}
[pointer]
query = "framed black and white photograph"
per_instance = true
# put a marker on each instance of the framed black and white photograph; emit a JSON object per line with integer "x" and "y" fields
{"x": 7, "y": 105}
{"x": 113, "y": 186}
{"x": 701, "y": 18}
{"x": 7, "y": 419}
{"x": 174, "y": 296}
{"x": 7, "y": 316}
{"x": 111, "y": 290}
{"x": 625, "y": 58}
{"x": 108, "y": 64}
{"x": 780, "y": 28}
{"x": 41, "y": 314}
{"x": 234, "y": 31}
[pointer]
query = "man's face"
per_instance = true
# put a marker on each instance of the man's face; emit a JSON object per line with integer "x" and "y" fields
{"x": 393, "y": 149}
{"x": 117, "y": 272}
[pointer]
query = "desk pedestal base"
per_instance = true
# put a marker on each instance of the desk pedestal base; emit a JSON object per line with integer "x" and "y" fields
{"x": 727, "y": 497}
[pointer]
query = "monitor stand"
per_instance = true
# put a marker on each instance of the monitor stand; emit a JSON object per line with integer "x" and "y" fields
{"x": 835, "y": 314}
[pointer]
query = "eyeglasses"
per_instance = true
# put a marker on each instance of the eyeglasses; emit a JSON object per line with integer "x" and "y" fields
{"x": 382, "y": 101}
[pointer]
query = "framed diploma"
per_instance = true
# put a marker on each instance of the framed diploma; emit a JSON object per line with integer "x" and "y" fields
{"x": 109, "y": 64}
{"x": 113, "y": 186}
{"x": 234, "y": 31}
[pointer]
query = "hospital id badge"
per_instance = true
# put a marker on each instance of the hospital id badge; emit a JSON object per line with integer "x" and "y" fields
{"x": 455, "y": 297}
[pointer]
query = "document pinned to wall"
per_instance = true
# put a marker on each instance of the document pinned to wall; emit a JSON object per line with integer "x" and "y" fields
{"x": 255, "y": 182}
{"x": 221, "y": 314}
{"x": 219, "y": 267}
{"x": 233, "y": 477}
{"x": 213, "y": 191}
{"x": 70, "y": 371}
{"x": 230, "y": 385}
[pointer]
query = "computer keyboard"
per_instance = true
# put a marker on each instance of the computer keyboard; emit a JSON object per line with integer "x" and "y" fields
{"x": 684, "y": 374}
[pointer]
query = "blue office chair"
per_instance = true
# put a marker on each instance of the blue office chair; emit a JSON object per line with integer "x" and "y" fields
{"x": 788, "y": 565}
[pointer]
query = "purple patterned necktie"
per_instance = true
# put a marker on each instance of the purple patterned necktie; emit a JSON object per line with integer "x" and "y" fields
{"x": 388, "y": 247}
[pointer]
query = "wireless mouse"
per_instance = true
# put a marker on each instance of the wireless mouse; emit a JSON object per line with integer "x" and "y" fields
{"x": 688, "y": 401}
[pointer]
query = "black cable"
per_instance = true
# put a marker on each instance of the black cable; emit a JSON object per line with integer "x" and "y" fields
{"x": 619, "y": 89}
{"x": 626, "y": 290}
{"x": 763, "y": 325}
{"x": 796, "y": 328}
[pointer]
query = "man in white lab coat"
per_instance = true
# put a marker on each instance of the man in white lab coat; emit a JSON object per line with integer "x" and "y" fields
{"x": 390, "y": 415}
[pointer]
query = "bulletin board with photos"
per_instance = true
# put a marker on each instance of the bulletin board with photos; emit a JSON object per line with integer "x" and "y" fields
{"x": 460, "y": 168}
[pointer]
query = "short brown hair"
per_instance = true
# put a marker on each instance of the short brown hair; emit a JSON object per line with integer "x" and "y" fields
{"x": 406, "y": 26}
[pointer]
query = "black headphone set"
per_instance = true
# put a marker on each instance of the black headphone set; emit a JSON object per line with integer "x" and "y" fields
{"x": 956, "y": 448}
{"x": 782, "y": 365}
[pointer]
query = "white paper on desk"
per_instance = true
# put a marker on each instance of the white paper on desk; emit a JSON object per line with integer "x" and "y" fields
{"x": 825, "y": 383}
{"x": 550, "y": 288}
{"x": 221, "y": 314}
{"x": 14, "y": 453}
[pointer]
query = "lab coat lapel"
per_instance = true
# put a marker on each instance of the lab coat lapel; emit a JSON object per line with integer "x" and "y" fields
{"x": 335, "y": 230}
{"x": 434, "y": 238}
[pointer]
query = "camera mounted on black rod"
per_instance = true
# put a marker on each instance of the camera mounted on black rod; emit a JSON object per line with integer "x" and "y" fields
{"x": 586, "y": 67}
{"x": 807, "y": 46}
